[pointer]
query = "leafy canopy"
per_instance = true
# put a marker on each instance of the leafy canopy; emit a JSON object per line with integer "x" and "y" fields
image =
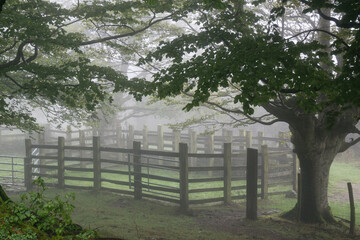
{"x": 48, "y": 55}
{"x": 236, "y": 48}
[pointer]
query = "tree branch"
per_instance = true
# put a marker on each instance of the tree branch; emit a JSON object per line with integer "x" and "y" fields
{"x": 238, "y": 111}
{"x": 346, "y": 145}
{"x": 129, "y": 34}
{"x": 321, "y": 30}
{"x": 9, "y": 48}
{"x": 18, "y": 56}
{"x": 14, "y": 81}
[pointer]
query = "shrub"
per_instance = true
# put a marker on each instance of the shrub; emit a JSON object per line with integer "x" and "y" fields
{"x": 35, "y": 217}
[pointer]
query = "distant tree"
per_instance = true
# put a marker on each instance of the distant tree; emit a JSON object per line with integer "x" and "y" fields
{"x": 309, "y": 79}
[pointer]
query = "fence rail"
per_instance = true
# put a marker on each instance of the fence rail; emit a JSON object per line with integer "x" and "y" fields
{"x": 182, "y": 177}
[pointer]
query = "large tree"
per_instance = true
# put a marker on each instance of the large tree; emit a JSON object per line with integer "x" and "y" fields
{"x": 308, "y": 78}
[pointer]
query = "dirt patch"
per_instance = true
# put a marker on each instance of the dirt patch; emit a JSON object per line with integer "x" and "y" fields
{"x": 231, "y": 219}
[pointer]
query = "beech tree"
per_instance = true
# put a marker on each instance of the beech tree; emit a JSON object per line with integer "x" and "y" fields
{"x": 312, "y": 84}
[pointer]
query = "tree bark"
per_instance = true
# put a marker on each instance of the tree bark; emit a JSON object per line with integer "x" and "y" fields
{"x": 316, "y": 146}
{"x": 317, "y": 139}
{"x": 315, "y": 172}
{"x": 3, "y": 196}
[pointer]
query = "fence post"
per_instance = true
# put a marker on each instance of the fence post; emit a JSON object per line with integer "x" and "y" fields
{"x": 27, "y": 165}
{"x": 160, "y": 135}
{"x": 95, "y": 131}
{"x": 42, "y": 161}
{"x": 248, "y": 139}
{"x": 260, "y": 140}
{"x": 227, "y": 173}
{"x": 251, "y": 183}
{"x": 299, "y": 196}
{"x": 210, "y": 149}
{"x": 68, "y": 135}
{"x": 281, "y": 136}
{"x": 352, "y": 209}
{"x": 193, "y": 147}
{"x": 119, "y": 141}
{"x": 130, "y": 138}
{"x": 228, "y": 134}
{"x": 145, "y": 137}
{"x": 137, "y": 170}
{"x": 242, "y": 140}
{"x": 97, "y": 164}
{"x": 82, "y": 144}
{"x": 265, "y": 172}
{"x": 295, "y": 172}
{"x": 176, "y": 141}
{"x": 61, "y": 163}
{"x": 184, "y": 177}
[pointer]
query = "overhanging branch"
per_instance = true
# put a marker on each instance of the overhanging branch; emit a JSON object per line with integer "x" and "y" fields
{"x": 346, "y": 145}
{"x": 129, "y": 34}
{"x": 237, "y": 111}
{"x": 324, "y": 31}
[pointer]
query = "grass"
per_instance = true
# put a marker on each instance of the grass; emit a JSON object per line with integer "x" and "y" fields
{"x": 119, "y": 216}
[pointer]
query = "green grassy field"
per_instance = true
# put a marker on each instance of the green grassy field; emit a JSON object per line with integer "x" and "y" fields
{"x": 114, "y": 215}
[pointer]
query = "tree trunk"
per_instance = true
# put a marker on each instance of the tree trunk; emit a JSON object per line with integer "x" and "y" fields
{"x": 315, "y": 172}
{"x": 316, "y": 147}
{"x": 3, "y": 196}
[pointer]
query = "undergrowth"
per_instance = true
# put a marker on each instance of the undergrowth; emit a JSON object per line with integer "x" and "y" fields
{"x": 37, "y": 218}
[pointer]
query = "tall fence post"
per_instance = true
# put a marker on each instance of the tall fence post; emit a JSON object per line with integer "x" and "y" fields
{"x": 119, "y": 141}
{"x": 210, "y": 149}
{"x": 352, "y": 209}
{"x": 82, "y": 144}
{"x": 130, "y": 138}
{"x": 227, "y": 173}
{"x": 260, "y": 140}
{"x": 97, "y": 164}
{"x": 137, "y": 171}
{"x": 145, "y": 137}
{"x": 295, "y": 172}
{"x": 68, "y": 135}
{"x": 242, "y": 140}
{"x": 184, "y": 177}
{"x": 176, "y": 140}
{"x": 41, "y": 141}
{"x": 27, "y": 165}
{"x": 160, "y": 135}
{"x": 193, "y": 147}
{"x": 251, "y": 183}
{"x": 61, "y": 163}
{"x": 264, "y": 172}
{"x": 249, "y": 139}
{"x": 281, "y": 136}
{"x": 299, "y": 196}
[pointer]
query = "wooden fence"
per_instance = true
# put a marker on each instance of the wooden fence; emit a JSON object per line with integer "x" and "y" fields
{"x": 204, "y": 169}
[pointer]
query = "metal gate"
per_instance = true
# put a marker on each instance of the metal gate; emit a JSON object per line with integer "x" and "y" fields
{"x": 12, "y": 172}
